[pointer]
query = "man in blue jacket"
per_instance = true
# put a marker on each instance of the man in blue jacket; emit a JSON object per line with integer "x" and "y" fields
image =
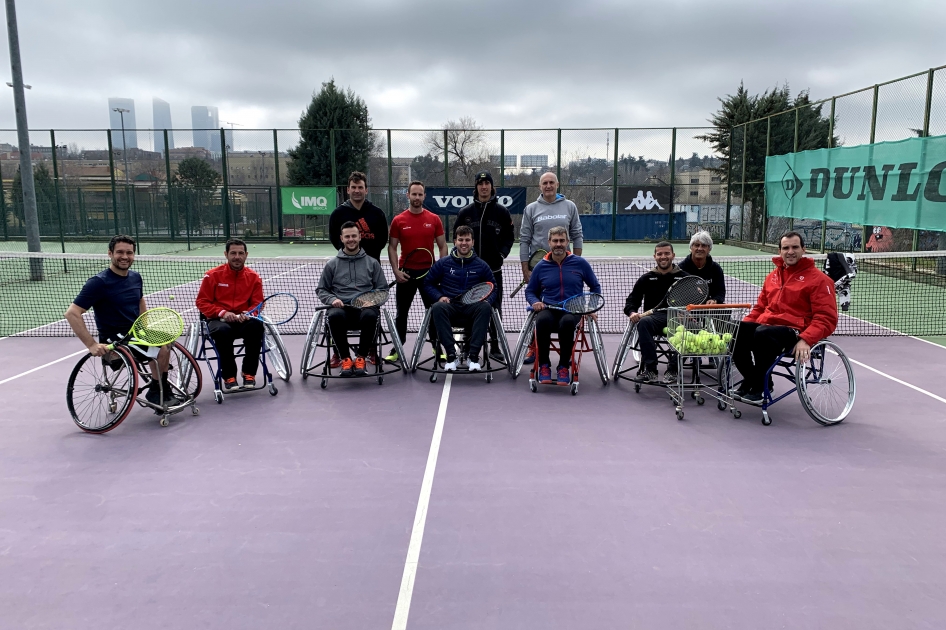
{"x": 449, "y": 278}
{"x": 559, "y": 276}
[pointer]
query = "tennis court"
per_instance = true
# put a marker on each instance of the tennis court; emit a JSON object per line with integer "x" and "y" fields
{"x": 463, "y": 504}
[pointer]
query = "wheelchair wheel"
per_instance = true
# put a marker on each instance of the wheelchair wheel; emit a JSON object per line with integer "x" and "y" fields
{"x": 184, "y": 373}
{"x": 100, "y": 395}
{"x": 597, "y": 347}
{"x": 826, "y": 385}
{"x": 276, "y": 352}
{"x": 311, "y": 339}
{"x": 193, "y": 338}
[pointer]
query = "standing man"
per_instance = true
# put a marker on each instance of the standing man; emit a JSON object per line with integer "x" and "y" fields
{"x": 700, "y": 263}
{"x": 492, "y": 241}
{"x": 796, "y": 309}
{"x": 117, "y": 297}
{"x": 226, "y": 293}
{"x": 349, "y": 274}
{"x": 370, "y": 219}
{"x": 414, "y": 228}
{"x": 559, "y": 276}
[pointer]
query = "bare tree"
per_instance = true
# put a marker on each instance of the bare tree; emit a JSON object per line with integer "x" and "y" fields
{"x": 466, "y": 147}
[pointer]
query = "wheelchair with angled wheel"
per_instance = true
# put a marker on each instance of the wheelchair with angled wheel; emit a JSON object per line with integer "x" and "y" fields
{"x": 461, "y": 338}
{"x": 629, "y": 347}
{"x": 319, "y": 337}
{"x": 101, "y": 391}
{"x": 201, "y": 344}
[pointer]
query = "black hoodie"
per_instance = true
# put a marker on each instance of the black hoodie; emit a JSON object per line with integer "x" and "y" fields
{"x": 372, "y": 223}
{"x": 712, "y": 273}
{"x": 493, "y": 232}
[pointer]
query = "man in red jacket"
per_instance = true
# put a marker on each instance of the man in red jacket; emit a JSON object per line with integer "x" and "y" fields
{"x": 796, "y": 309}
{"x": 226, "y": 293}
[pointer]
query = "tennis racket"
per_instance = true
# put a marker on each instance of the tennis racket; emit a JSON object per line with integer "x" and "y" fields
{"x": 278, "y": 308}
{"x": 686, "y": 291}
{"x": 533, "y": 261}
{"x": 155, "y": 327}
{"x": 476, "y": 293}
{"x": 582, "y": 304}
{"x": 374, "y": 297}
{"x": 416, "y": 264}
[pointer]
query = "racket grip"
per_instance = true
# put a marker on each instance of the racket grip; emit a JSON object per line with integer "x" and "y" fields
{"x": 517, "y": 289}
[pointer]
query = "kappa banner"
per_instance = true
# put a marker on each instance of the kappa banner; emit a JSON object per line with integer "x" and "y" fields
{"x": 452, "y": 200}
{"x": 650, "y": 199}
{"x": 897, "y": 184}
{"x": 308, "y": 199}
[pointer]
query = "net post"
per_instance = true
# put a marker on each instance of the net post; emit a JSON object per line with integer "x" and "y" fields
{"x": 111, "y": 174}
{"x": 62, "y": 236}
{"x": 278, "y": 192}
{"x": 614, "y": 189}
{"x": 673, "y": 177}
{"x": 172, "y": 224}
{"x": 225, "y": 193}
{"x": 390, "y": 180}
{"x": 502, "y": 157}
{"x": 727, "y": 221}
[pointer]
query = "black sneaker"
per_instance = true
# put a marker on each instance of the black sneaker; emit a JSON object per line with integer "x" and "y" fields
{"x": 670, "y": 377}
{"x": 751, "y": 398}
{"x": 153, "y": 395}
{"x": 647, "y": 376}
{"x": 494, "y": 353}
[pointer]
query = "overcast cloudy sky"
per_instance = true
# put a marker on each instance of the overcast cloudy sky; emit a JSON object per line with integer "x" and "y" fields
{"x": 418, "y": 63}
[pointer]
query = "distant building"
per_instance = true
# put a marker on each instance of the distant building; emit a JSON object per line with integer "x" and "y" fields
{"x": 162, "y": 120}
{"x": 115, "y": 123}
{"x": 509, "y": 161}
{"x": 534, "y": 161}
{"x": 205, "y": 123}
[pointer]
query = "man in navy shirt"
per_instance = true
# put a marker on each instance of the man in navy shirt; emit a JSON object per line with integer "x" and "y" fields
{"x": 116, "y": 296}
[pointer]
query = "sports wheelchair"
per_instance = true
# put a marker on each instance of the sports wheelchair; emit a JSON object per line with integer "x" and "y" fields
{"x": 587, "y": 339}
{"x": 435, "y": 364}
{"x": 203, "y": 347}
{"x": 319, "y": 336}
{"x": 101, "y": 391}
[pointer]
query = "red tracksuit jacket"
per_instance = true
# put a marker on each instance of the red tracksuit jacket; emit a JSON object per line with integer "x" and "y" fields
{"x": 223, "y": 289}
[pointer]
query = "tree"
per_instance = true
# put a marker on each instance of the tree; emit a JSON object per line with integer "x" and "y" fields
{"x": 742, "y": 107}
{"x": 199, "y": 181}
{"x": 465, "y": 146}
{"x": 45, "y": 198}
{"x": 426, "y": 169}
{"x": 343, "y": 111}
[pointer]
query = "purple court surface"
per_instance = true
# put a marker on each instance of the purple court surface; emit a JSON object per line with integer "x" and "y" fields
{"x": 545, "y": 510}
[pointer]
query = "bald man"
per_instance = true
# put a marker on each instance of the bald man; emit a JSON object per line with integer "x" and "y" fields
{"x": 549, "y": 210}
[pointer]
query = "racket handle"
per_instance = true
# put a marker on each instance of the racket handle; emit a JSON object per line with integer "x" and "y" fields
{"x": 392, "y": 284}
{"x": 517, "y": 289}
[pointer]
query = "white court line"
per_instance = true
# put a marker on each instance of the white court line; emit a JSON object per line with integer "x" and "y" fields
{"x": 897, "y": 380}
{"x": 420, "y": 517}
{"x": 68, "y": 356}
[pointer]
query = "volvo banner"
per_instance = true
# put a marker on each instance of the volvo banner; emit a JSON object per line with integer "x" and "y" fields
{"x": 896, "y": 184}
{"x": 308, "y": 199}
{"x": 452, "y": 200}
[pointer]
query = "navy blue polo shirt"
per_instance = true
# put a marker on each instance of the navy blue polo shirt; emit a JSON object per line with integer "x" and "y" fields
{"x": 114, "y": 299}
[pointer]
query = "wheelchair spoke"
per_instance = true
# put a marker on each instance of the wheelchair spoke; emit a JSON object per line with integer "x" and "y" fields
{"x": 826, "y": 386}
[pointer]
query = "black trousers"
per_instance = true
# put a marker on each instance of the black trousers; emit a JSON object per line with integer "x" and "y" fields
{"x": 757, "y": 347}
{"x": 224, "y": 334}
{"x": 548, "y": 321}
{"x": 365, "y": 320}
{"x": 647, "y": 328}
{"x": 446, "y": 315}
{"x": 497, "y": 304}
{"x": 404, "y": 297}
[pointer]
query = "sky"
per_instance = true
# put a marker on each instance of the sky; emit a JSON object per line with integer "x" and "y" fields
{"x": 420, "y": 63}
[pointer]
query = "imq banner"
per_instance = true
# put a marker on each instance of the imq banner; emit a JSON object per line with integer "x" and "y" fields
{"x": 649, "y": 199}
{"x": 308, "y": 199}
{"x": 897, "y": 184}
{"x": 452, "y": 200}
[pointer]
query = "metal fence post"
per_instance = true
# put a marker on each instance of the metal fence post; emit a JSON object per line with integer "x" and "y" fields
{"x": 446, "y": 160}
{"x": 62, "y": 236}
{"x": 727, "y": 224}
{"x": 824, "y": 222}
{"x": 558, "y": 157}
{"x": 791, "y": 220}
{"x": 225, "y": 193}
{"x": 614, "y": 189}
{"x": 502, "y": 157}
{"x": 3, "y": 211}
{"x": 390, "y": 179}
{"x": 111, "y": 173}
{"x": 926, "y": 132}
{"x": 742, "y": 189}
{"x": 278, "y": 190}
{"x": 673, "y": 176}
{"x": 765, "y": 201}
{"x": 172, "y": 223}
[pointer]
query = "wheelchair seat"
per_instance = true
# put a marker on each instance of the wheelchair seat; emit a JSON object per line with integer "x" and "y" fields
{"x": 435, "y": 364}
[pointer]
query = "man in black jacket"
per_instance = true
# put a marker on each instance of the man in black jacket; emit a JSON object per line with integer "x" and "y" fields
{"x": 370, "y": 219}
{"x": 700, "y": 263}
{"x": 650, "y": 289}
{"x": 493, "y": 237}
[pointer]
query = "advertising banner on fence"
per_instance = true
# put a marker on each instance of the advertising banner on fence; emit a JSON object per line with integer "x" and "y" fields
{"x": 308, "y": 199}
{"x": 452, "y": 200}
{"x": 650, "y": 199}
{"x": 896, "y": 184}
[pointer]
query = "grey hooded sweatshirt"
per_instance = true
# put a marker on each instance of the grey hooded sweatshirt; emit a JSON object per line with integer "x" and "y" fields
{"x": 345, "y": 276}
{"x": 540, "y": 216}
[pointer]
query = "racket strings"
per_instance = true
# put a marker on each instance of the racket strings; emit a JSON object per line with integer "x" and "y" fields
{"x": 477, "y": 293}
{"x": 279, "y": 308}
{"x": 687, "y": 291}
{"x": 158, "y": 327}
{"x": 371, "y": 298}
{"x": 584, "y": 304}
{"x": 418, "y": 260}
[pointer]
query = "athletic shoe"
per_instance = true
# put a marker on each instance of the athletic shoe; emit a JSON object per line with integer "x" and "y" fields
{"x": 670, "y": 377}
{"x": 545, "y": 374}
{"x": 647, "y": 376}
{"x": 336, "y": 360}
{"x": 563, "y": 376}
{"x": 170, "y": 392}
{"x": 229, "y": 383}
{"x": 530, "y": 356}
{"x": 392, "y": 357}
{"x": 494, "y": 353}
{"x": 249, "y": 380}
{"x": 360, "y": 366}
{"x": 742, "y": 391}
{"x": 372, "y": 358}
{"x": 153, "y": 395}
{"x": 450, "y": 366}
{"x": 752, "y": 398}
{"x": 474, "y": 365}
{"x": 347, "y": 365}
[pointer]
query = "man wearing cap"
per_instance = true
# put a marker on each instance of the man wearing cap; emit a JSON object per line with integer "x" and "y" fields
{"x": 493, "y": 237}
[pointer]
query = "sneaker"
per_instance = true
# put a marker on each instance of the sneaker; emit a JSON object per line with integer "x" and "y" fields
{"x": 360, "y": 366}
{"x": 670, "y": 378}
{"x": 564, "y": 378}
{"x": 474, "y": 365}
{"x": 249, "y": 381}
{"x": 229, "y": 383}
{"x": 336, "y": 360}
{"x": 545, "y": 374}
{"x": 647, "y": 376}
{"x": 752, "y": 398}
{"x": 494, "y": 353}
{"x": 742, "y": 391}
{"x": 451, "y": 365}
{"x": 372, "y": 358}
{"x": 172, "y": 393}
{"x": 153, "y": 395}
{"x": 393, "y": 357}
{"x": 530, "y": 356}
{"x": 347, "y": 365}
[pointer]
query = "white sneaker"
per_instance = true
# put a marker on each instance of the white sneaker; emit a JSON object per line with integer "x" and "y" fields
{"x": 450, "y": 366}
{"x": 474, "y": 366}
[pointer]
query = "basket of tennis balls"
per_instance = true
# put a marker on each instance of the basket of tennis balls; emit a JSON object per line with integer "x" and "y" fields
{"x": 698, "y": 342}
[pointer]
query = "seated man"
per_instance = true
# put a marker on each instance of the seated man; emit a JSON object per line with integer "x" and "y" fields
{"x": 651, "y": 288}
{"x": 226, "y": 293}
{"x": 559, "y": 276}
{"x": 351, "y": 273}
{"x": 449, "y": 278}
{"x": 796, "y": 309}
{"x": 700, "y": 263}
{"x": 117, "y": 297}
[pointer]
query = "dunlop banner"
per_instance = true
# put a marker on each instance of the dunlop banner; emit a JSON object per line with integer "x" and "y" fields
{"x": 897, "y": 184}
{"x": 307, "y": 199}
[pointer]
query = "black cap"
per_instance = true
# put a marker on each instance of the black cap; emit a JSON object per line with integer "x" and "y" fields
{"x": 483, "y": 176}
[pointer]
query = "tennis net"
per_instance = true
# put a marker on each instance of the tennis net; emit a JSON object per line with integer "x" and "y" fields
{"x": 892, "y": 294}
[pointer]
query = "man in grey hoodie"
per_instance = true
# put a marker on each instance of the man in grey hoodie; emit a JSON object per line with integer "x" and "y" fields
{"x": 549, "y": 210}
{"x": 349, "y": 274}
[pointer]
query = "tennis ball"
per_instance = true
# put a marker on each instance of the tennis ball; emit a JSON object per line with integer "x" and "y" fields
{"x": 170, "y": 297}
{"x": 727, "y": 337}
{"x": 292, "y": 242}
{"x": 680, "y": 329}
{"x": 666, "y": 330}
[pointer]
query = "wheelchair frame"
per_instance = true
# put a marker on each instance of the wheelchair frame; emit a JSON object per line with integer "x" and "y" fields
{"x": 462, "y": 342}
